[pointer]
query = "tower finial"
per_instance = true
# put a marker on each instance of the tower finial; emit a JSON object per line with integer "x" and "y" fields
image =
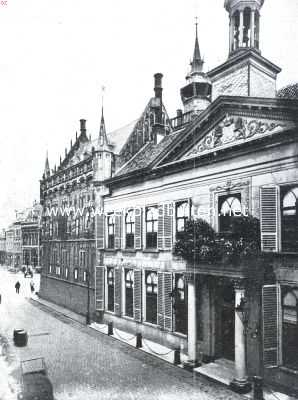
{"x": 197, "y": 62}
{"x": 102, "y": 130}
{"x": 47, "y": 170}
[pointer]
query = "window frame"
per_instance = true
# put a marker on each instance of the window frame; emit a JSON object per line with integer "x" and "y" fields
{"x": 288, "y": 245}
{"x": 151, "y": 236}
{"x": 129, "y": 236}
{"x": 222, "y": 199}
{"x": 111, "y": 237}
{"x": 151, "y": 297}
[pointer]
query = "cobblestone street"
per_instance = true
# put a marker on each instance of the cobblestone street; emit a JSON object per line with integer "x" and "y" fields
{"x": 83, "y": 363}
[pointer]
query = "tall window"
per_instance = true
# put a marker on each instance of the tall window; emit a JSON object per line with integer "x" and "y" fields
{"x": 180, "y": 304}
{"x": 290, "y": 327}
{"x": 129, "y": 281}
{"x": 182, "y": 214}
{"x": 111, "y": 231}
{"x": 229, "y": 209}
{"x": 290, "y": 220}
{"x": 75, "y": 274}
{"x": 151, "y": 296}
{"x": 130, "y": 229}
{"x": 151, "y": 227}
{"x": 111, "y": 285}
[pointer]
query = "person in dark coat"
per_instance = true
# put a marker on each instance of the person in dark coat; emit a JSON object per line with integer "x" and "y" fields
{"x": 17, "y": 286}
{"x": 32, "y": 286}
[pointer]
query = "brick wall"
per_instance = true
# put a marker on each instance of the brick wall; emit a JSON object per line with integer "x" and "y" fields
{"x": 233, "y": 83}
{"x": 66, "y": 294}
{"x": 261, "y": 84}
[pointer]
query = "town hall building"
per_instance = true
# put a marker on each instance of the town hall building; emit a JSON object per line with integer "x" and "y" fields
{"x": 129, "y": 194}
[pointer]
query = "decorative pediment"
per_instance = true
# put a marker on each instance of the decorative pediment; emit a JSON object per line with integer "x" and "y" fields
{"x": 235, "y": 130}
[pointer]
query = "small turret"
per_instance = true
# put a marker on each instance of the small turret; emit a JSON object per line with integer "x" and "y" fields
{"x": 196, "y": 94}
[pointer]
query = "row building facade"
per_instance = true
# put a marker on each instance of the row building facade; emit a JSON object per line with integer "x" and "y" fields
{"x": 130, "y": 192}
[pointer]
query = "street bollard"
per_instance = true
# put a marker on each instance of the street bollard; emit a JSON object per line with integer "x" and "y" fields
{"x": 139, "y": 341}
{"x": 177, "y": 359}
{"x": 257, "y": 388}
{"x": 110, "y": 328}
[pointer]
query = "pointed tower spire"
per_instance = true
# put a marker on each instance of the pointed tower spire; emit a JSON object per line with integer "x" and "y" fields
{"x": 102, "y": 139}
{"x": 196, "y": 94}
{"x": 47, "y": 170}
{"x": 197, "y": 62}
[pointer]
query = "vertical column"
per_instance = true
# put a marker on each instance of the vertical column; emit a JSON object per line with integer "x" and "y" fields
{"x": 252, "y": 28}
{"x": 240, "y": 383}
{"x": 241, "y": 28}
{"x": 192, "y": 322}
{"x": 231, "y": 33}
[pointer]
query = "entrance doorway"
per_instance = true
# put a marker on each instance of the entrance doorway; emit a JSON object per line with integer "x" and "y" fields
{"x": 228, "y": 322}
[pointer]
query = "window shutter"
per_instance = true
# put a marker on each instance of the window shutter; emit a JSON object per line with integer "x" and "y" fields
{"x": 168, "y": 226}
{"x": 168, "y": 305}
{"x": 117, "y": 291}
{"x": 99, "y": 288}
{"x": 160, "y": 300}
{"x": 118, "y": 230}
{"x": 100, "y": 231}
{"x": 160, "y": 228}
{"x": 271, "y": 324}
{"x": 269, "y": 218}
{"x": 138, "y": 228}
{"x": 137, "y": 295}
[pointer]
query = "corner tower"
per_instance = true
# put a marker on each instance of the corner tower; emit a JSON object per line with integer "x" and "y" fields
{"x": 196, "y": 95}
{"x": 246, "y": 72}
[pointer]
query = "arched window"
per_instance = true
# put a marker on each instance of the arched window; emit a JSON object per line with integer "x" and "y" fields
{"x": 182, "y": 215}
{"x": 151, "y": 227}
{"x": 246, "y": 26}
{"x": 236, "y": 19}
{"x": 290, "y": 220}
{"x": 129, "y": 284}
{"x": 110, "y": 284}
{"x": 130, "y": 229}
{"x": 229, "y": 209}
{"x": 290, "y": 327}
{"x": 151, "y": 297}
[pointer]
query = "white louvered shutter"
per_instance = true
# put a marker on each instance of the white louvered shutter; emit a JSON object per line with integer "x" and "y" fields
{"x": 160, "y": 227}
{"x": 138, "y": 229}
{"x": 99, "y": 288}
{"x": 168, "y": 305}
{"x": 168, "y": 226}
{"x": 117, "y": 291}
{"x": 271, "y": 324}
{"x": 160, "y": 300}
{"x": 118, "y": 230}
{"x": 137, "y": 295}
{"x": 100, "y": 231}
{"x": 269, "y": 201}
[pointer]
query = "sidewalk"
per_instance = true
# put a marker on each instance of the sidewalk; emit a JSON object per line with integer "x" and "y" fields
{"x": 148, "y": 347}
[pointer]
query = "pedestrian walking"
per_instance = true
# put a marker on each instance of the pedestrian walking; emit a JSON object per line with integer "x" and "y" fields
{"x": 32, "y": 286}
{"x": 17, "y": 286}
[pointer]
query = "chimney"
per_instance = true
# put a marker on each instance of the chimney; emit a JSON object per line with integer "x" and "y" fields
{"x": 158, "y": 85}
{"x": 179, "y": 117}
{"x": 83, "y": 127}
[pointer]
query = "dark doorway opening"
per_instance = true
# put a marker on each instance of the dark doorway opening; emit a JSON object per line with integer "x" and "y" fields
{"x": 228, "y": 322}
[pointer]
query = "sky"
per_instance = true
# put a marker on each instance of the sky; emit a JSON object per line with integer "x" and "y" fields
{"x": 55, "y": 55}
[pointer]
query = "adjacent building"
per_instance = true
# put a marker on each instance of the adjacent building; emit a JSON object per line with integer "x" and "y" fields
{"x": 114, "y": 207}
{"x": 2, "y": 248}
